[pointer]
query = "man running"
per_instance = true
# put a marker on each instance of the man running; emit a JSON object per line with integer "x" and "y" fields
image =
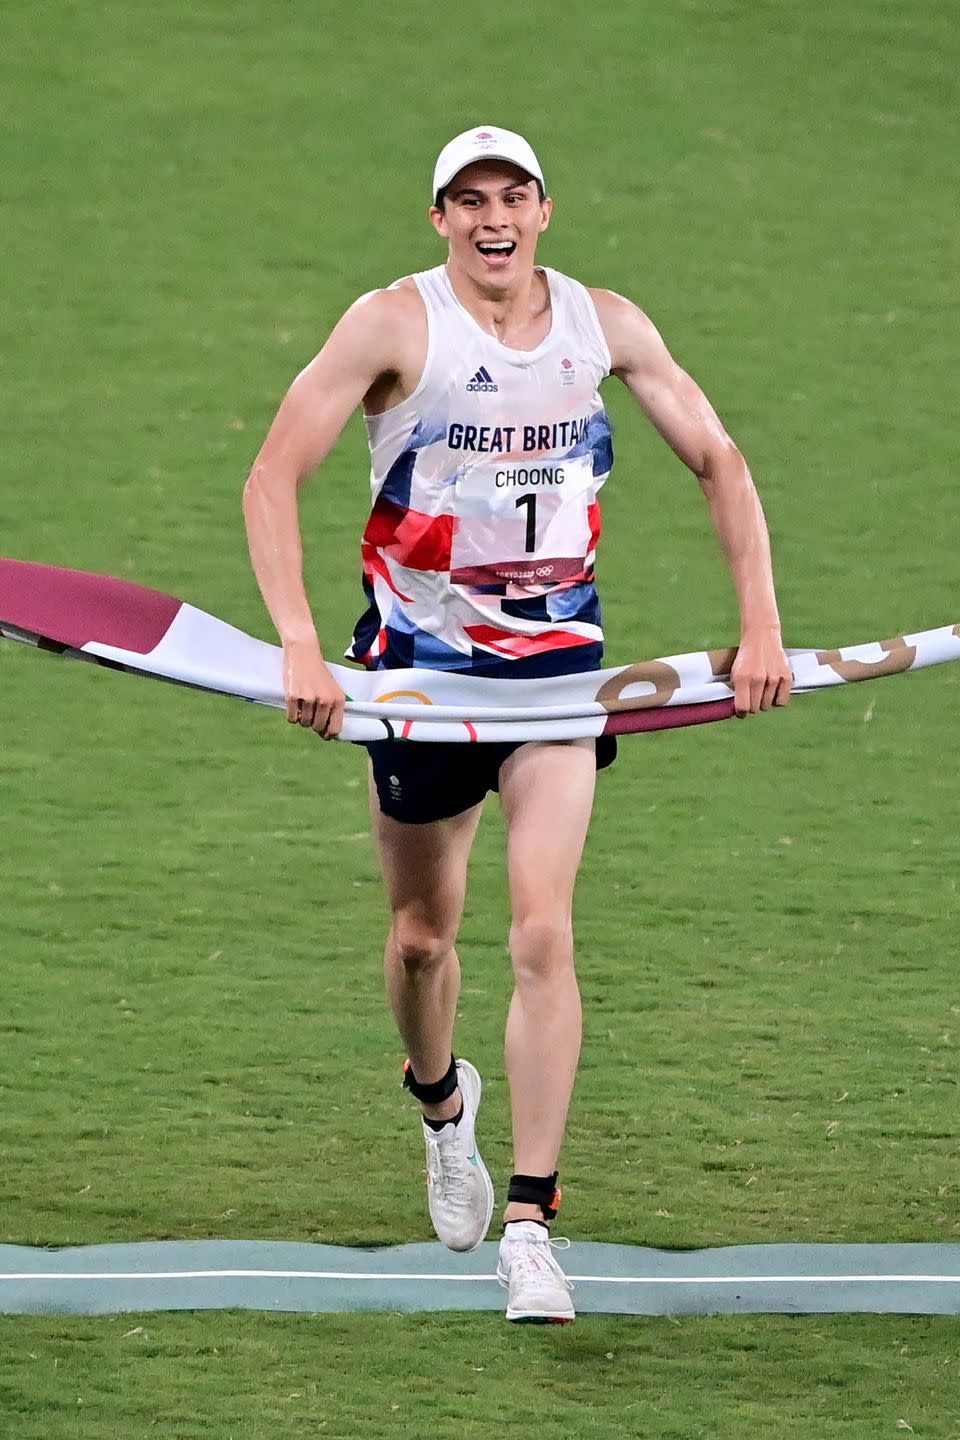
{"x": 489, "y": 442}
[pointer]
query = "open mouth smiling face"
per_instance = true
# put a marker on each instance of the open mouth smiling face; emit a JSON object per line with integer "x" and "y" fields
{"x": 492, "y": 213}
{"x": 496, "y": 253}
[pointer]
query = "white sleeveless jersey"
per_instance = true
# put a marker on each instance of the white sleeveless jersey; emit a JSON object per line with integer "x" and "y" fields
{"x": 481, "y": 543}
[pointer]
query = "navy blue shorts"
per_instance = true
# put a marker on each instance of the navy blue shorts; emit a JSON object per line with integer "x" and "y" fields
{"x": 419, "y": 782}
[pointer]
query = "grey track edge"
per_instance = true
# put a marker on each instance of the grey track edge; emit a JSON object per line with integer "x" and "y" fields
{"x": 917, "y": 1279}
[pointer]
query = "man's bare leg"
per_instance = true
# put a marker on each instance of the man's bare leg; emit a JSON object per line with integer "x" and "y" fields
{"x": 425, "y": 872}
{"x": 547, "y": 795}
{"x": 425, "y": 868}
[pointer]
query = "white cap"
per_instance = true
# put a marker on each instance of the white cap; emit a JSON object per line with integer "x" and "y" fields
{"x": 486, "y": 142}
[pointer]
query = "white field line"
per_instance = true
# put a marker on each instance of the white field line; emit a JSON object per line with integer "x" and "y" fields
{"x": 381, "y": 1276}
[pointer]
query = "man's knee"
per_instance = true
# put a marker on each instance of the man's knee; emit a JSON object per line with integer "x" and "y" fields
{"x": 417, "y": 946}
{"x": 540, "y": 945}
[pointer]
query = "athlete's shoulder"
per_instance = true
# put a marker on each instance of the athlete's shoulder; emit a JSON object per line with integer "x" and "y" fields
{"x": 614, "y": 311}
{"x": 383, "y": 332}
{"x": 616, "y": 308}
{"x": 392, "y": 305}
{"x": 631, "y": 336}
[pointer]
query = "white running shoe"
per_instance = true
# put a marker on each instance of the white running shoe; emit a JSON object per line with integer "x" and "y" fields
{"x": 459, "y": 1188}
{"x": 538, "y": 1292}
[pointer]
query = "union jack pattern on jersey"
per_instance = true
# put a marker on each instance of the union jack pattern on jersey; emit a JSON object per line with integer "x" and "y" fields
{"x": 481, "y": 544}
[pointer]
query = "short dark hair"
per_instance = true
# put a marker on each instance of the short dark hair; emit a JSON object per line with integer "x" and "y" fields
{"x": 441, "y": 199}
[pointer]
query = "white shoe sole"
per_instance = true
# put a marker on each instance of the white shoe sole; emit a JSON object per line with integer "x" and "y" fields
{"x": 536, "y": 1317}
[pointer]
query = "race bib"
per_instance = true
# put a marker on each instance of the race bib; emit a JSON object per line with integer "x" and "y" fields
{"x": 521, "y": 524}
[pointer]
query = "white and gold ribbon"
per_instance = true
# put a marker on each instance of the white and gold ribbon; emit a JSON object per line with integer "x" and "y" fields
{"x": 128, "y": 627}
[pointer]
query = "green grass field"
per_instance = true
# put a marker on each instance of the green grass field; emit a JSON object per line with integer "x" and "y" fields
{"x": 190, "y": 915}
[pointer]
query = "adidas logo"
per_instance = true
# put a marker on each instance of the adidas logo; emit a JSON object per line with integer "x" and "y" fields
{"x": 483, "y": 380}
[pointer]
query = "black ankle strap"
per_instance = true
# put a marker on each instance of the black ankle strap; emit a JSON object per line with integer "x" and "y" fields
{"x": 437, "y": 1090}
{"x": 541, "y": 1190}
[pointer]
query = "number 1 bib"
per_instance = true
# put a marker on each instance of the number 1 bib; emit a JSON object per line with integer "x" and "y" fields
{"x": 522, "y": 523}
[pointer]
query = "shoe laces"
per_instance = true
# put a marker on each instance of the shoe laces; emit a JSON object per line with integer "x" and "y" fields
{"x": 448, "y": 1170}
{"x": 532, "y": 1261}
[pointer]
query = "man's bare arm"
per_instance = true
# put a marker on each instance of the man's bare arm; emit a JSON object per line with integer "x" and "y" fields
{"x": 361, "y": 349}
{"x": 683, "y": 415}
